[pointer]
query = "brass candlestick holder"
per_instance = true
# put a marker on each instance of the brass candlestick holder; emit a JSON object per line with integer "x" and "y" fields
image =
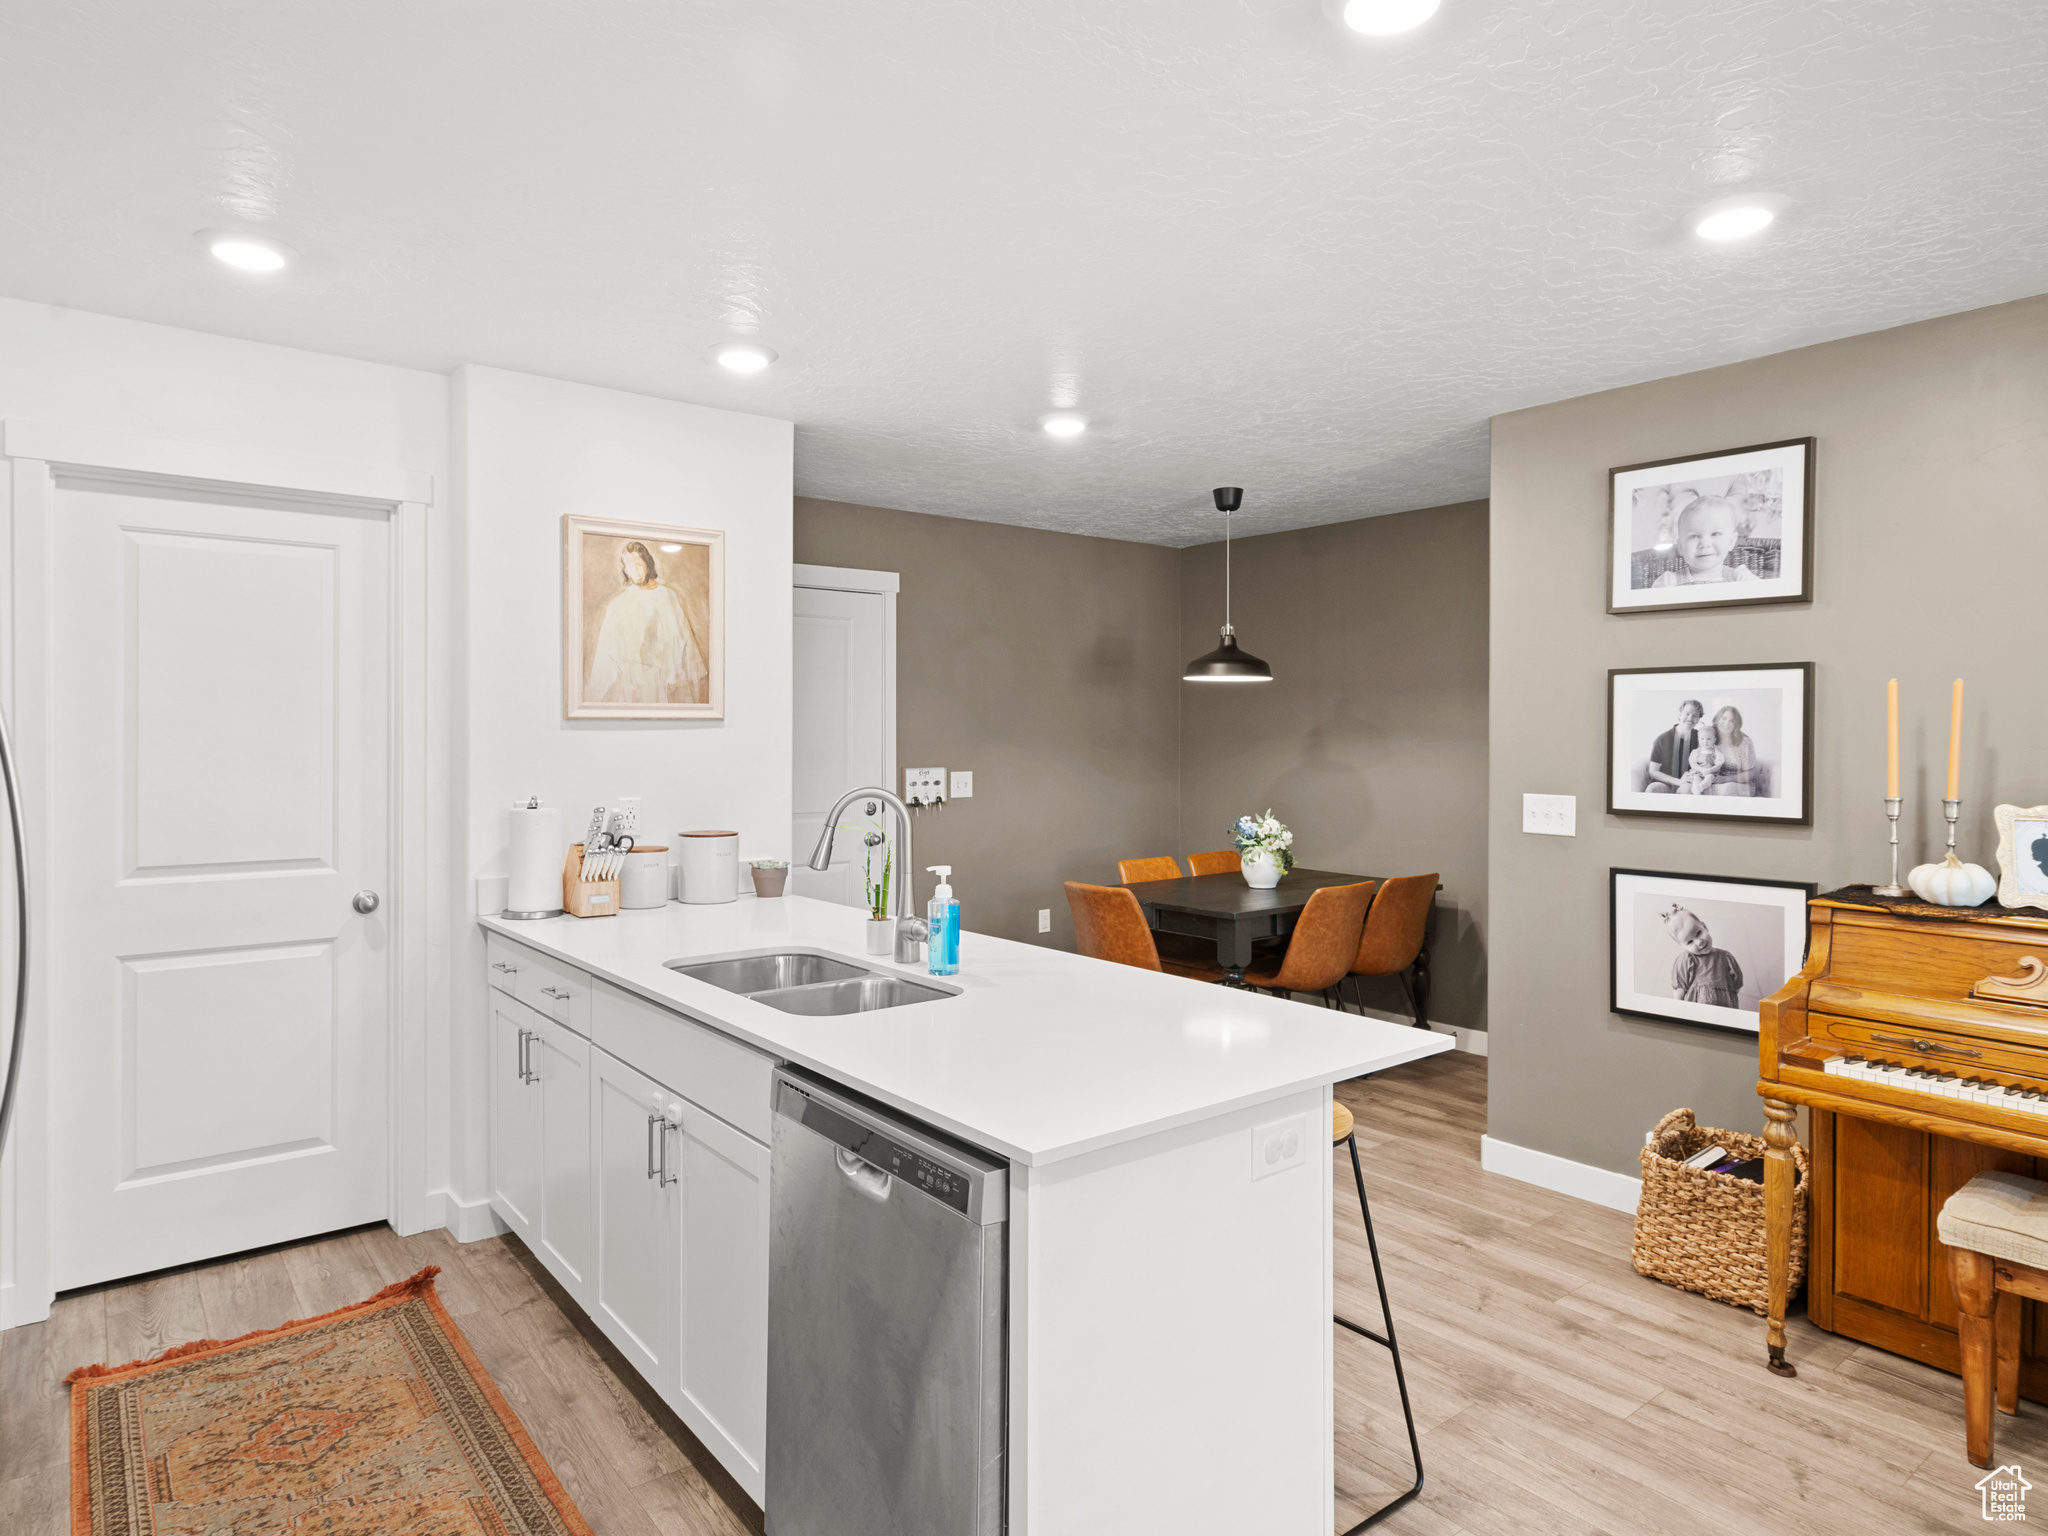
{"x": 1891, "y": 810}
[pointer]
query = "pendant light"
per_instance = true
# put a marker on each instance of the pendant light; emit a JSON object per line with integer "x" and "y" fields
{"x": 1227, "y": 664}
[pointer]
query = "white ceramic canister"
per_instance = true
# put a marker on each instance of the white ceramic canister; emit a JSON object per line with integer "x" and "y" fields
{"x": 711, "y": 866}
{"x": 644, "y": 880}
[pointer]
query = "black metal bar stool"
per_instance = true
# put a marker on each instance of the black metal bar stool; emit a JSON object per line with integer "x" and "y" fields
{"x": 1343, "y": 1132}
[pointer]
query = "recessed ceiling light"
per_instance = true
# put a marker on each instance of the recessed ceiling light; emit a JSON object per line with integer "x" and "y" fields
{"x": 742, "y": 356}
{"x": 1064, "y": 424}
{"x": 1383, "y": 18}
{"x": 245, "y": 253}
{"x": 1733, "y": 223}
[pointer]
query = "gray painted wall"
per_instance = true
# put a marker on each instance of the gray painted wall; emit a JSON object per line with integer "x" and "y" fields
{"x": 1049, "y": 664}
{"x": 1931, "y": 549}
{"x": 1370, "y": 742}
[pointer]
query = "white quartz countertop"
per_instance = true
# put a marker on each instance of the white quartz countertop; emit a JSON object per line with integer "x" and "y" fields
{"x": 1044, "y": 1055}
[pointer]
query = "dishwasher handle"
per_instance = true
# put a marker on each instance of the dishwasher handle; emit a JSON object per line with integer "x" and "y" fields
{"x": 867, "y": 1180}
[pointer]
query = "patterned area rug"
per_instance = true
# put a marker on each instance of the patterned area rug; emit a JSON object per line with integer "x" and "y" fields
{"x": 374, "y": 1420}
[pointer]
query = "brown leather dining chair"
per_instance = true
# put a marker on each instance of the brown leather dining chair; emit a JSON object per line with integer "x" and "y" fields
{"x": 1110, "y": 925}
{"x": 1322, "y": 946}
{"x": 1133, "y": 871}
{"x": 1392, "y": 938}
{"x": 1224, "y": 861}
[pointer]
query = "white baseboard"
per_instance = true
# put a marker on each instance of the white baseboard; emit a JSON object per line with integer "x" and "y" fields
{"x": 1582, "y": 1181}
{"x": 470, "y": 1221}
{"x": 18, "y": 1307}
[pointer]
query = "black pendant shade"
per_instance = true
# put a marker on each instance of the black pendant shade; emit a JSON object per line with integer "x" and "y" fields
{"x": 1227, "y": 664}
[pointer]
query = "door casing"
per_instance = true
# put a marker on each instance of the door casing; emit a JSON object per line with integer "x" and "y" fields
{"x": 33, "y": 455}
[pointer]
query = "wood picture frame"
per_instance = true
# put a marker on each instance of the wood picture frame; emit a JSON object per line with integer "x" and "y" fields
{"x": 1765, "y": 777}
{"x": 2022, "y": 855}
{"x": 1751, "y": 509}
{"x": 1711, "y": 930}
{"x": 643, "y": 620}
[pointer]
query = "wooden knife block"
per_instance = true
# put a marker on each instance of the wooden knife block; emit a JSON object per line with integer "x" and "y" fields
{"x": 587, "y": 898}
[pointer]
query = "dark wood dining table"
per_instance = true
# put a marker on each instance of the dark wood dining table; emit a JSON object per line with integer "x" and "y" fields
{"x": 1233, "y": 915}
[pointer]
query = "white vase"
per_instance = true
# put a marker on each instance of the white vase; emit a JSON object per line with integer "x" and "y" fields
{"x": 1261, "y": 871}
{"x": 881, "y": 934}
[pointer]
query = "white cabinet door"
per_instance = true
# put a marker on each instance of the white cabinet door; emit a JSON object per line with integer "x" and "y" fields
{"x": 724, "y": 1355}
{"x": 515, "y": 1119}
{"x": 634, "y": 1295}
{"x": 559, "y": 1061}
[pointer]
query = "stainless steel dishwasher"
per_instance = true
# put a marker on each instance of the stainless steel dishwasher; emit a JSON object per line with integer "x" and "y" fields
{"x": 886, "y": 1324}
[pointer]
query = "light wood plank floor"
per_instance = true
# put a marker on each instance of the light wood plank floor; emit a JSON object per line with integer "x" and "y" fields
{"x": 1558, "y": 1390}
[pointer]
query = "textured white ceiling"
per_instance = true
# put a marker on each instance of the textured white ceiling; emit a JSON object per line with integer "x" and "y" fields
{"x": 1253, "y": 249}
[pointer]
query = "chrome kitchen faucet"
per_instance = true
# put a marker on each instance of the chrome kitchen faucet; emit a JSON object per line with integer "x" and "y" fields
{"x": 911, "y": 931}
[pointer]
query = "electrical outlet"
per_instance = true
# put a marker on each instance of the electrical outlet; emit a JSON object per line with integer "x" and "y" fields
{"x": 1552, "y": 815}
{"x": 963, "y": 784}
{"x": 1279, "y": 1145}
{"x": 924, "y": 786}
{"x": 1045, "y": 919}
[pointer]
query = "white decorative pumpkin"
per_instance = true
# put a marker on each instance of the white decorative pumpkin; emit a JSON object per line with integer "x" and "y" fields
{"x": 1952, "y": 884}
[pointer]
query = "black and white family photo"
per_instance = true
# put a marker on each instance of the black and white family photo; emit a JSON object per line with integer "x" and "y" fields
{"x": 1730, "y": 528}
{"x": 1694, "y": 949}
{"x": 1712, "y": 741}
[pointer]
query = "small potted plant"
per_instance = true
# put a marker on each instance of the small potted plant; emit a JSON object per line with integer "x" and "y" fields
{"x": 881, "y": 931}
{"x": 770, "y": 875}
{"x": 1264, "y": 849}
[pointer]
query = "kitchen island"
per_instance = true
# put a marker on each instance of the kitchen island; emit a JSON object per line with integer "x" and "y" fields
{"x": 1169, "y": 1199}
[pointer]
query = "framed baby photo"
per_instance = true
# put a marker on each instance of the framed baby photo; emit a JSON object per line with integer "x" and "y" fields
{"x": 1723, "y": 743}
{"x": 1701, "y": 949}
{"x": 643, "y": 621}
{"x": 1716, "y": 530}
{"x": 2022, "y": 855}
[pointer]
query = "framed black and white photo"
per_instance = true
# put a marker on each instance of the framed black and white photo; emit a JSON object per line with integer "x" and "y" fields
{"x": 1715, "y": 530}
{"x": 2022, "y": 855}
{"x": 1733, "y": 743}
{"x": 1701, "y": 949}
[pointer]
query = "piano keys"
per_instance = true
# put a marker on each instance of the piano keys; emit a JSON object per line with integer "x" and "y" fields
{"x": 1941, "y": 1085}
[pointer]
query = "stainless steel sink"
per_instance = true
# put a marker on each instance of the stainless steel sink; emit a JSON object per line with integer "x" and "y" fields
{"x": 863, "y": 994}
{"x": 812, "y": 984}
{"x": 768, "y": 973}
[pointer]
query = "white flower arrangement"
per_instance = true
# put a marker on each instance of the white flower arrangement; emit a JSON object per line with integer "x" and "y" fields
{"x": 1264, "y": 834}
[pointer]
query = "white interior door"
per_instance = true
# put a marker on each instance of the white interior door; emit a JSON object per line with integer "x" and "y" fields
{"x": 218, "y": 1009}
{"x": 845, "y": 726}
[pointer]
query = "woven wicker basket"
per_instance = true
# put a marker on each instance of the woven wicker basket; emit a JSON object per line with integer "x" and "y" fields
{"x": 1704, "y": 1231}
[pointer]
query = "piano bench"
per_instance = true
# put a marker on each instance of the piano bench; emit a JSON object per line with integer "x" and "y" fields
{"x": 1996, "y": 1229}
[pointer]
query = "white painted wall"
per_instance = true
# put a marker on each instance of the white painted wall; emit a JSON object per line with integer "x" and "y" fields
{"x": 122, "y": 376}
{"x": 526, "y": 451}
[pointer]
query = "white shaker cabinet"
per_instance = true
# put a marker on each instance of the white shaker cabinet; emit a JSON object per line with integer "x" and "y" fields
{"x": 724, "y": 1353}
{"x": 540, "y": 1138}
{"x": 515, "y": 1120}
{"x": 649, "y": 1207}
{"x": 558, "y": 1061}
{"x": 638, "y": 1228}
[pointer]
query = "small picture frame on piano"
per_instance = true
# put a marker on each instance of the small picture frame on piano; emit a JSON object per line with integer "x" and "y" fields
{"x": 2022, "y": 855}
{"x": 1701, "y": 949}
{"x": 1714, "y": 743}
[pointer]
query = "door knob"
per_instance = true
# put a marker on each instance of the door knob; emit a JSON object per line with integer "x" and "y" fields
{"x": 365, "y": 902}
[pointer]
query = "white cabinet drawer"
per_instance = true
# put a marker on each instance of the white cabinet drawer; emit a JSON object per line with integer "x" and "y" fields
{"x": 724, "y": 1076}
{"x": 562, "y": 992}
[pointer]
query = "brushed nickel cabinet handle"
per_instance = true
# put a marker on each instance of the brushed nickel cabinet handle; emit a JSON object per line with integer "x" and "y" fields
{"x": 1928, "y": 1045}
{"x": 560, "y": 997}
{"x": 652, "y": 1122}
{"x": 509, "y": 970}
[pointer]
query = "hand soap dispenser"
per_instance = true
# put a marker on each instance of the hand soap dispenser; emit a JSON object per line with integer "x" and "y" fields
{"x": 942, "y": 948}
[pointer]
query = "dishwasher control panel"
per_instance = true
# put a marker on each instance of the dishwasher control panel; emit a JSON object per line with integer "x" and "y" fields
{"x": 961, "y": 1180}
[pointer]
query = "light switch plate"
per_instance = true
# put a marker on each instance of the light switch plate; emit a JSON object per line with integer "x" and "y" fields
{"x": 1552, "y": 815}
{"x": 963, "y": 784}
{"x": 1279, "y": 1145}
{"x": 924, "y": 786}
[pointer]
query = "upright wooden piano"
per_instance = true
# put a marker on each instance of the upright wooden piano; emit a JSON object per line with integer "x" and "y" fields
{"x": 1921, "y": 1027}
